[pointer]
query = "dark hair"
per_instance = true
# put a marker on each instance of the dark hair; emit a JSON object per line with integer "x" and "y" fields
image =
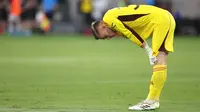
{"x": 94, "y": 26}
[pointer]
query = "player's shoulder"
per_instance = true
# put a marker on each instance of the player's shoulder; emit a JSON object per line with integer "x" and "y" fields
{"x": 109, "y": 15}
{"x": 113, "y": 13}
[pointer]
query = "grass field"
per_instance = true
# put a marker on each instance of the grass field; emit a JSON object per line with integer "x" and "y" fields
{"x": 79, "y": 74}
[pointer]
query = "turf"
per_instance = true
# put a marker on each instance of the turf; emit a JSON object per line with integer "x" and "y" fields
{"x": 79, "y": 74}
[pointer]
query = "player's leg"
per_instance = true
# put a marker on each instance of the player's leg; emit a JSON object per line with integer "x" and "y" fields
{"x": 159, "y": 76}
{"x": 11, "y": 24}
{"x": 157, "y": 81}
{"x": 14, "y": 24}
{"x": 162, "y": 43}
{"x": 160, "y": 69}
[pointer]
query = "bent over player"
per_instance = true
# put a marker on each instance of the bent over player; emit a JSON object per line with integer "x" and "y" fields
{"x": 137, "y": 23}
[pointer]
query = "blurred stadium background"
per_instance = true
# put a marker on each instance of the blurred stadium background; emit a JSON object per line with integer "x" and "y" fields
{"x": 74, "y": 16}
{"x": 49, "y": 61}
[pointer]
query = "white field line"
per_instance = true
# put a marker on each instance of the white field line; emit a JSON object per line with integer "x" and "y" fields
{"x": 82, "y": 109}
{"x": 59, "y": 59}
{"x": 55, "y": 110}
{"x": 40, "y": 59}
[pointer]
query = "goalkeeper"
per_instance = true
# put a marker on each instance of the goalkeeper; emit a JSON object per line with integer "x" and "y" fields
{"x": 137, "y": 23}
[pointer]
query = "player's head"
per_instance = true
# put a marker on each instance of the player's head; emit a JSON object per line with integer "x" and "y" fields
{"x": 100, "y": 30}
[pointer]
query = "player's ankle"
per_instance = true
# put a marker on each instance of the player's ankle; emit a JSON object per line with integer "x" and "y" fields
{"x": 150, "y": 100}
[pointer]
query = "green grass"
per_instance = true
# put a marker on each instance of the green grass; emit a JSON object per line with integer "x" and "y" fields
{"x": 79, "y": 74}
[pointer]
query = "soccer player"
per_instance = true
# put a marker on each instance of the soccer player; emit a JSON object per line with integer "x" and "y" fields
{"x": 14, "y": 22}
{"x": 137, "y": 23}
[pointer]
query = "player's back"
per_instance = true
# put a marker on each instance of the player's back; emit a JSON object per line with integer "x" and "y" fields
{"x": 141, "y": 18}
{"x": 136, "y": 10}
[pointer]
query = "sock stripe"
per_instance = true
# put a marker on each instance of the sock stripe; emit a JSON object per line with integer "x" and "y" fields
{"x": 157, "y": 66}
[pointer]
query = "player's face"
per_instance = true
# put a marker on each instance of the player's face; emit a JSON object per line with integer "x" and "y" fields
{"x": 105, "y": 32}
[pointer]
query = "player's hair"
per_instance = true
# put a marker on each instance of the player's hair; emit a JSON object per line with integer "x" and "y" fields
{"x": 94, "y": 27}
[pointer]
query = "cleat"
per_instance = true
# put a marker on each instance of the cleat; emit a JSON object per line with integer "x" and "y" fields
{"x": 146, "y": 105}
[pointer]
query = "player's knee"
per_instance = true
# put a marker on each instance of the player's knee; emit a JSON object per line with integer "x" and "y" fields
{"x": 162, "y": 58}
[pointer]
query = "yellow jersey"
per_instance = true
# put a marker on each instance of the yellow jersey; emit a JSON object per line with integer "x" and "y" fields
{"x": 136, "y": 22}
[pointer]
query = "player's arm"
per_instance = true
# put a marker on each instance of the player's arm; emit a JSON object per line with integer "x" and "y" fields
{"x": 120, "y": 27}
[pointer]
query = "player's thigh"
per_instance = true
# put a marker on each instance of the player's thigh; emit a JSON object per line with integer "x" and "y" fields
{"x": 159, "y": 36}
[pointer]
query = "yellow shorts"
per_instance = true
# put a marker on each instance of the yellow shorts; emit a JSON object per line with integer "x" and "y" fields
{"x": 163, "y": 35}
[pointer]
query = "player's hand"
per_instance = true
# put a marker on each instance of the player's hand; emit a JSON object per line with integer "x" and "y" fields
{"x": 153, "y": 60}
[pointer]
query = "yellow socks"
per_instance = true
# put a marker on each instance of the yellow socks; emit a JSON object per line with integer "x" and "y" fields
{"x": 157, "y": 81}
